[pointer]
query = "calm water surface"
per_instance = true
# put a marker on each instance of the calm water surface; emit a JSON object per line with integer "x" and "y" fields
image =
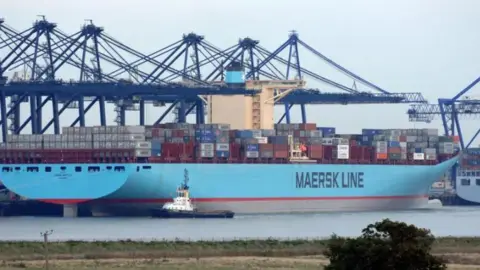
{"x": 446, "y": 221}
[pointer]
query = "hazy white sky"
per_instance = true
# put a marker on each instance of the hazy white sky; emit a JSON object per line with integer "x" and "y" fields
{"x": 429, "y": 46}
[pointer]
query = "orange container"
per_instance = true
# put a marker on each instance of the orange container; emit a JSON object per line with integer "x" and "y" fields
{"x": 382, "y": 156}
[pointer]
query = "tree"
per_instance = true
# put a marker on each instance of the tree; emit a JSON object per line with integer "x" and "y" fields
{"x": 384, "y": 245}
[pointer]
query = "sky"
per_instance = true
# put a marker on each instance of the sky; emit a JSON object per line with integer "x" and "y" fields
{"x": 428, "y": 46}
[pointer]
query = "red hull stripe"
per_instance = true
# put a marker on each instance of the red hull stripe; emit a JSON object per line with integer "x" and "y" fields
{"x": 163, "y": 200}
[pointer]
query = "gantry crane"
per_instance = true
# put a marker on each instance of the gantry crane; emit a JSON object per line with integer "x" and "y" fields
{"x": 451, "y": 110}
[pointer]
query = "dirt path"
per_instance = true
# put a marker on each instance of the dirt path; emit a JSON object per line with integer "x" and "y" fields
{"x": 306, "y": 263}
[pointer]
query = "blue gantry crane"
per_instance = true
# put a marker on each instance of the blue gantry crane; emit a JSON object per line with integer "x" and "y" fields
{"x": 260, "y": 63}
{"x": 95, "y": 84}
{"x": 182, "y": 73}
{"x": 451, "y": 110}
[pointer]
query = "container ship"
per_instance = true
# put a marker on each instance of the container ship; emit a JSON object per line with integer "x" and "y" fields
{"x": 128, "y": 170}
{"x": 467, "y": 183}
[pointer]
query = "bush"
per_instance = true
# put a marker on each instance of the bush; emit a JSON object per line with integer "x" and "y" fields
{"x": 384, "y": 245}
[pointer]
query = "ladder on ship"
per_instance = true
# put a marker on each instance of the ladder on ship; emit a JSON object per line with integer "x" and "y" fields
{"x": 296, "y": 155}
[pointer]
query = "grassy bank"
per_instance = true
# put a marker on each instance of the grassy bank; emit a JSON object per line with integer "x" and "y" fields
{"x": 204, "y": 254}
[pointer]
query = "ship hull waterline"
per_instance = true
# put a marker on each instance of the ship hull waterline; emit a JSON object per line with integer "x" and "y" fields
{"x": 241, "y": 188}
{"x": 162, "y": 213}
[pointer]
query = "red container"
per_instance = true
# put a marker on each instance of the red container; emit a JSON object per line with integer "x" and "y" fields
{"x": 369, "y": 153}
{"x": 328, "y": 152}
{"x": 315, "y": 151}
{"x": 394, "y": 150}
{"x": 403, "y": 138}
{"x": 356, "y": 152}
{"x": 308, "y": 126}
{"x": 280, "y": 147}
{"x": 178, "y": 133}
{"x": 235, "y": 152}
{"x": 186, "y": 150}
{"x": 266, "y": 147}
{"x": 280, "y": 154}
{"x": 157, "y": 132}
{"x": 170, "y": 150}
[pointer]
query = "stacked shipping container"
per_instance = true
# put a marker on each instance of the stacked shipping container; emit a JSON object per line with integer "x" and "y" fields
{"x": 471, "y": 159}
{"x": 176, "y": 142}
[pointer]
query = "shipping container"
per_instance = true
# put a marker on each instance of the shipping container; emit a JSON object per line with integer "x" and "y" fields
{"x": 180, "y": 141}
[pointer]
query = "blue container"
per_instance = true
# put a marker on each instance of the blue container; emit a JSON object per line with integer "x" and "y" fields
{"x": 234, "y": 77}
{"x": 327, "y": 130}
{"x": 202, "y": 132}
{"x": 223, "y": 154}
{"x": 473, "y": 162}
{"x": 418, "y": 150}
{"x": 473, "y": 151}
{"x": 205, "y": 135}
{"x": 252, "y": 147}
{"x": 366, "y": 138}
{"x": 367, "y": 131}
{"x": 393, "y": 144}
{"x": 205, "y": 139}
{"x": 156, "y": 145}
{"x": 156, "y": 152}
{"x": 244, "y": 134}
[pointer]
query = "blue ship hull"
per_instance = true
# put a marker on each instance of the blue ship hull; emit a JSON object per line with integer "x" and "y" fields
{"x": 242, "y": 188}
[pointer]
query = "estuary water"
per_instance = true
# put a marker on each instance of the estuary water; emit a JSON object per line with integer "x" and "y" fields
{"x": 444, "y": 221}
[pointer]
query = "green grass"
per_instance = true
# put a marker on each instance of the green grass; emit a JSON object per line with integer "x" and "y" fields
{"x": 183, "y": 249}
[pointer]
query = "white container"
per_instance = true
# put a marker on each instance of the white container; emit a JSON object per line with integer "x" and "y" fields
{"x": 207, "y": 153}
{"x": 143, "y": 153}
{"x": 262, "y": 140}
{"x": 134, "y": 137}
{"x": 222, "y": 147}
{"x": 418, "y": 156}
{"x": 431, "y": 156}
{"x": 342, "y": 154}
{"x": 252, "y": 154}
{"x": 343, "y": 148}
{"x": 135, "y": 130}
{"x": 143, "y": 145}
{"x": 207, "y": 147}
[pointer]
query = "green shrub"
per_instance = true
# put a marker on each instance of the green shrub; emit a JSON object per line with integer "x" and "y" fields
{"x": 384, "y": 245}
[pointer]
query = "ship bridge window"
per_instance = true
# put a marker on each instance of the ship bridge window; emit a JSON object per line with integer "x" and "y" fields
{"x": 32, "y": 169}
{"x": 93, "y": 169}
{"x": 465, "y": 182}
{"x": 109, "y": 167}
{"x": 78, "y": 169}
{"x": 119, "y": 168}
{"x": 7, "y": 169}
{"x": 48, "y": 169}
{"x": 477, "y": 181}
{"x": 146, "y": 167}
{"x": 17, "y": 168}
{"x": 63, "y": 168}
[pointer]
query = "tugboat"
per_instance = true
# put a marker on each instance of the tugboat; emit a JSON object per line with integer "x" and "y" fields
{"x": 182, "y": 206}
